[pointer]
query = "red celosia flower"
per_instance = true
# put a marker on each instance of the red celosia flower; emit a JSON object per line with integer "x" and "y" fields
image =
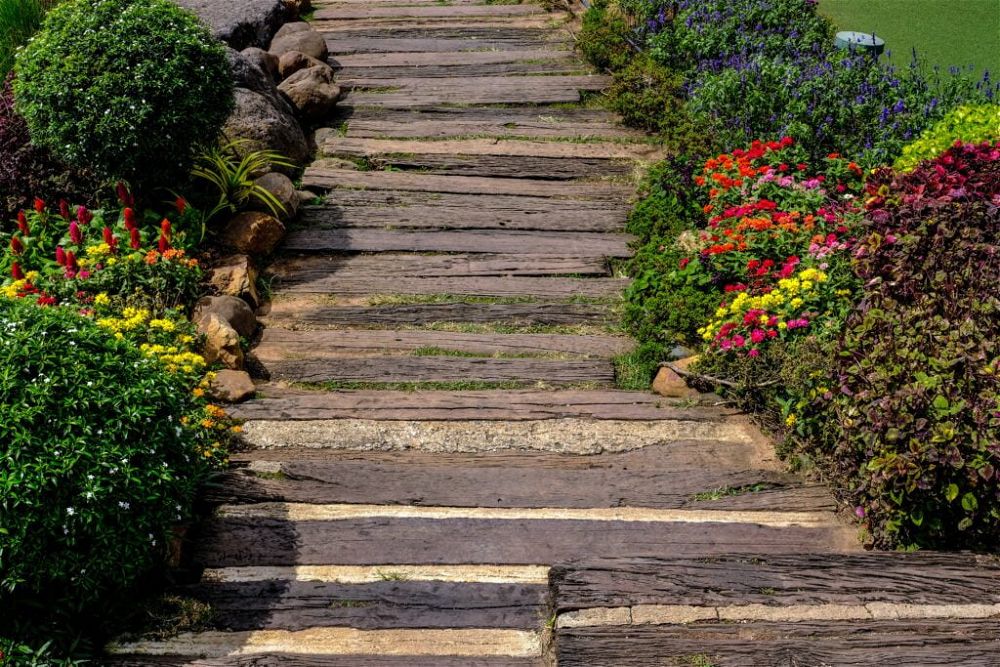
{"x": 16, "y": 272}
{"x": 129, "y": 219}
{"x": 682, "y": 264}
{"x": 83, "y": 215}
{"x": 165, "y": 229}
{"x": 39, "y": 205}
{"x": 164, "y": 244}
{"x": 134, "y": 241}
{"x": 64, "y": 209}
{"x": 75, "y": 235}
{"x": 16, "y": 246}
{"x": 109, "y": 238}
{"x": 71, "y": 264}
{"x": 60, "y": 256}
{"x": 22, "y": 223}
{"x": 124, "y": 196}
{"x": 181, "y": 205}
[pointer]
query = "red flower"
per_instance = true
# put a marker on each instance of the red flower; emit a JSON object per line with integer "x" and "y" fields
{"x": 71, "y": 264}
{"x": 787, "y": 141}
{"x": 64, "y": 209}
{"x": 134, "y": 241}
{"x": 129, "y": 219}
{"x": 124, "y": 196}
{"x": 39, "y": 205}
{"x": 75, "y": 235}
{"x": 16, "y": 246}
{"x": 181, "y": 205}
{"x": 165, "y": 229}
{"x": 60, "y": 256}
{"x": 22, "y": 223}
{"x": 164, "y": 244}
{"x": 16, "y": 272}
{"x": 109, "y": 238}
{"x": 684, "y": 262}
{"x": 83, "y": 215}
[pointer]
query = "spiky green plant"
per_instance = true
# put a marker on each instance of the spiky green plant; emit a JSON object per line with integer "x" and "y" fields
{"x": 232, "y": 172}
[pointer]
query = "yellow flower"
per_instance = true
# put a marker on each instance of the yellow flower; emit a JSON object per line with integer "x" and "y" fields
{"x": 99, "y": 250}
{"x": 782, "y": 325}
{"x": 791, "y": 420}
{"x": 102, "y": 299}
{"x": 165, "y": 325}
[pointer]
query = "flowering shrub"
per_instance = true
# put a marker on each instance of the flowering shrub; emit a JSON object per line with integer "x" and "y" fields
{"x": 128, "y": 87}
{"x": 967, "y": 124}
{"x": 102, "y": 451}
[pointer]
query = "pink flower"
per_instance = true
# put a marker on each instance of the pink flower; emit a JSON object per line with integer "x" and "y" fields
{"x": 754, "y": 353}
{"x": 739, "y": 341}
{"x": 75, "y": 235}
{"x": 757, "y": 336}
{"x": 83, "y": 215}
{"x": 60, "y": 256}
{"x": 64, "y": 209}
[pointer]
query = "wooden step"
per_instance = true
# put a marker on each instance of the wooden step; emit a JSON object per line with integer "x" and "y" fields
{"x": 456, "y": 288}
{"x": 871, "y": 609}
{"x": 682, "y": 475}
{"x": 247, "y": 538}
{"x": 381, "y": 209}
{"x": 277, "y": 402}
{"x": 342, "y": 40}
{"x": 443, "y": 369}
{"x": 327, "y": 269}
{"x": 428, "y": 92}
{"x": 282, "y": 344}
{"x": 298, "y": 605}
{"x": 300, "y": 660}
{"x": 323, "y": 177}
{"x": 528, "y": 243}
{"x": 424, "y": 12}
{"x": 356, "y": 76}
{"x": 306, "y": 313}
{"x": 445, "y": 122}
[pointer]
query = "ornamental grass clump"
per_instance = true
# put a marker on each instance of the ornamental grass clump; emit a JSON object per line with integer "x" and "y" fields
{"x": 915, "y": 401}
{"x": 128, "y": 87}
{"x": 101, "y": 452}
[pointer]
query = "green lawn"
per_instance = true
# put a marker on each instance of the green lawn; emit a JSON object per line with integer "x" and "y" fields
{"x": 945, "y": 32}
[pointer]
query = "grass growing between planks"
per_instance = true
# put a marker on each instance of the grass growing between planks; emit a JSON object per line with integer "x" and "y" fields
{"x": 947, "y": 33}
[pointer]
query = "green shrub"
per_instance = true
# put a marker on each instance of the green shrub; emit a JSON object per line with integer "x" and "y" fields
{"x": 969, "y": 124}
{"x": 100, "y": 455}
{"x": 16, "y": 654}
{"x": 129, "y": 87}
{"x": 603, "y": 38}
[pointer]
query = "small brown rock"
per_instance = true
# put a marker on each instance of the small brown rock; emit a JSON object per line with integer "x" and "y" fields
{"x": 283, "y": 190}
{"x": 302, "y": 37}
{"x": 672, "y": 385}
{"x": 235, "y": 275}
{"x": 232, "y": 386}
{"x": 297, "y": 7}
{"x": 254, "y": 233}
{"x": 222, "y": 343}
{"x": 312, "y": 92}
{"x": 234, "y": 311}
{"x": 305, "y": 197}
{"x": 267, "y": 62}
{"x": 293, "y": 61}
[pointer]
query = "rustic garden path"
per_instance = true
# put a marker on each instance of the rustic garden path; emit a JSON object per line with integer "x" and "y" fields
{"x": 444, "y": 473}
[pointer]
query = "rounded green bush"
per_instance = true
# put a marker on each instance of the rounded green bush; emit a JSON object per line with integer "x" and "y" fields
{"x": 127, "y": 87}
{"x": 971, "y": 124}
{"x": 96, "y": 465}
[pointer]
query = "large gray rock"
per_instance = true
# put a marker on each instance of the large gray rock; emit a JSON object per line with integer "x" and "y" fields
{"x": 268, "y": 62}
{"x": 312, "y": 92}
{"x": 266, "y": 126}
{"x": 241, "y": 23}
{"x": 248, "y": 74}
{"x": 283, "y": 190}
{"x": 302, "y": 37}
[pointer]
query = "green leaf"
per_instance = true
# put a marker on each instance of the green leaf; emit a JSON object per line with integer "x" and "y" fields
{"x": 941, "y": 403}
{"x": 951, "y": 492}
{"x": 969, "y": 503}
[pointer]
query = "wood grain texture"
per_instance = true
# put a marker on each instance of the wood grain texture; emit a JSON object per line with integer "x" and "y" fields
{"x": 293, "y": 660}
{"x": 294, "y": 605}
{"x": 321, "y": 176}
{"x": 784, "y": 644}
{"x": 473, "y": 241}
{"x": 381, "y": 209}
{"x": 278, "y": 344}
{"x": 665, "y": 477}
{"x": 288, "y": 312}
{"x": 232, "y": 542}
{"x": 443, "y": 369}
{"x": 314, "y": 269}
{"x": 279, "y": 402}
{"x": 783, "y": 579}
{"x": 374, "y": 148}
{"x": 404, "y": 12}
{"x": 502, "y": 286}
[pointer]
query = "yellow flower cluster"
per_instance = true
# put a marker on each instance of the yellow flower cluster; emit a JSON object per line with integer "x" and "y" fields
{"x": 789, "y": 291}
{"x": 131, "y": 319}
{"x": 174, "y": 358}
{"x": 102, "y": 299}
{"x": 98, "y": 251}
{"x": 163, "y": 325}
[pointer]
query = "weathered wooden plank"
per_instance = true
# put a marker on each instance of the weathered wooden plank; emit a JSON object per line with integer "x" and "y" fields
{"x": 298, "y": 660}
{"x": 479, "y": 115}
{"x": 312, "y": 268}
{"x": 323, "y": 177}
{"x": 666, "y": 477}
{"x": 425, "y": 12}
{"x": 333, "y": 144}
{"x": 784, "y": 644}
{"x": 416, "y": 210}
{"x": 277, "y": 344}
{"x": 356, "y": 76}
{"x": 426, "y": 92}
{"x": 505, "y": 27}
{"x": 286, "y": 404}
{"x": 501, "y": 166}
{"x": 502, "y": 286}
{"x": 780, "y": 580}
{"x": 294, "y": 312}
{"x": 294, "y": 605}
{"x": 232, "y": 541}
{"x": 443, "y": 369}
{"x": 472, "y": 241}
